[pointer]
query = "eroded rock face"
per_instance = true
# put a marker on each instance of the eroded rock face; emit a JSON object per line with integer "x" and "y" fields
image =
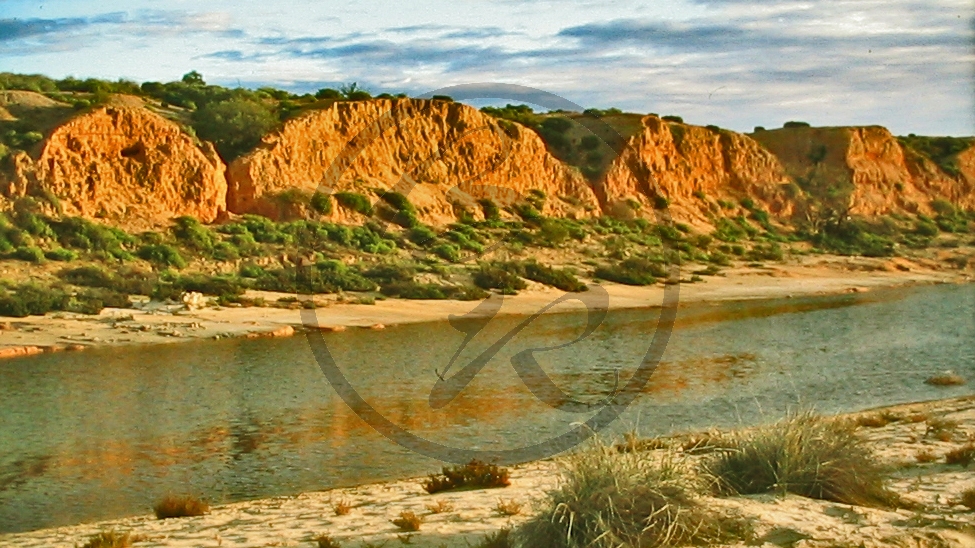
{"x": 880, "y": 176}
{"x": 692, "y": 167}
{"x": 131, "y": 167}
{"x": 443, "y": 156}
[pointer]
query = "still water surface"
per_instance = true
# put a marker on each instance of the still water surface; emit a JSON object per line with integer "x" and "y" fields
{"x": 105, "y": 433}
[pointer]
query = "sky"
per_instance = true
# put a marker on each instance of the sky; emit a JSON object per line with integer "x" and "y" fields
{"x": 908, "y": 65}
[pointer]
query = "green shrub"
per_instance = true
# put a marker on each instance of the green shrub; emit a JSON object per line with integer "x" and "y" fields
{"x": 806, "y": 455}
{"x": 765, "y": 252}
{"x": 193, "y": 235}
{"x": 448, "y": 252}
{"x": 390, "y": 272}
{"x": 162, "y": 256}
{"x": 475, "y": 474}
{"x": 562, "y": 279}
{"x": 674, "y": 119}
{"x": 528, "y": 213}
{"x": 410, "y": 289}
{"x": 490, "y": 209}
{"x": 224, "y": 251}
{"x": 321, "y": 202}
{"x": 61, "y": 254}
{"x": 795, "y": 124}
{"x": 324, "y": 277}
{"x": 354, "y": 202}
{"x": 78, "y": 233}
{"x": 369, "y": 239}
{"x": 92, "y": 301}
{"x": 250, "y": 270}
{"x": 30, "y": 254}
{"x": 421, "y": 235}
{"x": 633, "y": 271}
{"x": 495, "y": 276}
{"x": 31, "y": 299}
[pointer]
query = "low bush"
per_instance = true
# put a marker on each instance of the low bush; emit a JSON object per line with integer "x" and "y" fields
{"x": 490, "y": 209}
{"x": 421, "y": 235}
{"x": 633, "y": 271}
{"x": 31, "y": 299}
{"x": 806, "y": 455}
{"x": 473, "y": 475}
{"x": 323, "y": 277}
{"x": 967, "y": 498}
{"x": 563, "y": 279}
{"x": 162, "y": 256}
{"x": 420, "y": 291}
{"x": 499, "y": 539}
{"x": 172, "y": 506}
{"x": 61, "y": 254}
{"x": 30, "y": 254}
{"x": 325, "y": 541}
{"x": 191, "y": 234}
{"x": 321, "y": 203}
{"x": 354, "y": 202}
{"x": 448, "y": 252}
{"x": 497, "y": 276}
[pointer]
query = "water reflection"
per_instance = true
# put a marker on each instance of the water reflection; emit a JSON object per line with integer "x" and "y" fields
{"x": 106, "y": 433}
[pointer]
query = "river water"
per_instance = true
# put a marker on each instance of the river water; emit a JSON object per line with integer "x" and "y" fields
{"x": 105, "y": 433}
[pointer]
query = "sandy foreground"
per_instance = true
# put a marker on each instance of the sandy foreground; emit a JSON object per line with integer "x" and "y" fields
{"x": 156, "y": 323}
{"x": 468, "y": 516}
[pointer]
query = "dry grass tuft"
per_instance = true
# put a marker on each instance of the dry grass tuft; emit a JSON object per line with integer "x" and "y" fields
{"x": 342, "y": 508}
{"x": 440, "y": 507}
{"x": 878, "y": 420}
{"x": 948, "y": 378}
{"x": 968, "y": 498}
{"x": 172, "y": 506}
{"x": 942, "y": 429}
{"x": 474, "y": 474}
{"x": 925, "y": 456}
{"x": 111, "y": 539}
{"x": 500, "y": 539}
{"x": 807, "y": 455}
{"x": 325, "y": 541}
{"x": 508, "y": 508}
{"x": 963, "y": 456}
{"x": 609, "y": 499}
{"x": 408, "y": 521}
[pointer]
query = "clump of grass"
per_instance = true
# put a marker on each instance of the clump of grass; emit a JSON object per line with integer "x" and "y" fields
{"x": 440, "y": 507}
{"x": 609, "y": 499}
{"x": 408, "y": 521}
{"x": 941, "y": 429}
{"x": 474, "y": 474}
{"x": 173, "y": 506}
{"x": 325, "y": 541}
{"x": 342, "y": 508}
{"x": 925, "y": 456}
{"x": 962, "y": 456}
{"x": 110, "y": 539}
{"x": 509, "y": 507}
{"x": 499, "y": 539}
{"x": 948, "y": 378}
{"x": 806, "y": 455}
{"x": 968, "y": 498}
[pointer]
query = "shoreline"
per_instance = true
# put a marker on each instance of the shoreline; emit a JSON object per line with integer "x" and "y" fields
{"x": 295, "y": 520}
{"x": 157, "y": 323}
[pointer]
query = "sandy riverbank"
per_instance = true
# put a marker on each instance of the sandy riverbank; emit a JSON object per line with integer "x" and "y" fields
{"x": 155, "y": 323}
{"x": 782, "y": 520}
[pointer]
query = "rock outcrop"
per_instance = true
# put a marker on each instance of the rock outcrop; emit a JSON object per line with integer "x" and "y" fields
{"x": 443, "y": 156}
{"x": 871, "y": 167}
{"x": 127, "y": 166}
{"x": 692, "y": 168}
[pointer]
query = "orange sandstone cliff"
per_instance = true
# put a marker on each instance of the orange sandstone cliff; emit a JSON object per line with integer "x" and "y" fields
{"x": 692, "y": 167}
{"x": 127, "y": 166}
{"x": 443, "y": 156}
{"x": 868, "y": 164}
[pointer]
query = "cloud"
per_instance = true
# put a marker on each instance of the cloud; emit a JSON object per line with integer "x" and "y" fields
{"x": 17, "y": 29}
